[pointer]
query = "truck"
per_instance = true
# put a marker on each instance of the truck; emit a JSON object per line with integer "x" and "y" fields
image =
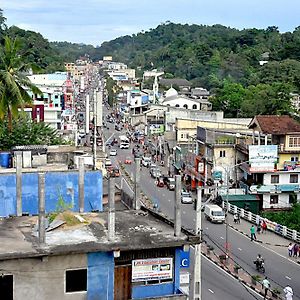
{"x": 214, "y": 213}
{"x": 124, "y": 142}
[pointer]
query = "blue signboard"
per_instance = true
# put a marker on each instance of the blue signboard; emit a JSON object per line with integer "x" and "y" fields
{"x": 184, "y": 259}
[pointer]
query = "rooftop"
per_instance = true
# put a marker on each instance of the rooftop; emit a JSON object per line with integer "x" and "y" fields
{"x": 142, "y": 229}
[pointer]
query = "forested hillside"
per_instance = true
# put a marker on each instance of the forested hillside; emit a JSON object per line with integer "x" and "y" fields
{"x": 222, "y": 59}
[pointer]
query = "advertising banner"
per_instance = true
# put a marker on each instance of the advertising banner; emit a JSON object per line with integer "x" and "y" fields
{"x": 262, "y": 158}
{"x": 152, "y": 269}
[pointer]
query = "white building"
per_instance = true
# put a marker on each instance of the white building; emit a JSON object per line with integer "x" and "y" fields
{"x": 172, "y": 98}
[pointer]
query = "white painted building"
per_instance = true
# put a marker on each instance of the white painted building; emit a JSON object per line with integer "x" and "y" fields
{"x": 173, "y": 99}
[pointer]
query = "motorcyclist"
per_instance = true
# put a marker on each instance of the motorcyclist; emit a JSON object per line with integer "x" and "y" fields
{"x": 259, "y": 261}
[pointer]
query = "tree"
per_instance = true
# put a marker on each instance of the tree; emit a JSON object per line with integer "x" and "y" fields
{"x": 14, "y": 82}
{"x": 27, "y": 132}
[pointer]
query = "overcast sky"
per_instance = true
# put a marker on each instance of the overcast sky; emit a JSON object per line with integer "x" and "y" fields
{"x": 95, "y": 21}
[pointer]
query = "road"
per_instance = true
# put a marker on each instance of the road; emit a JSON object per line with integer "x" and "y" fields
{"x": 279, "y": 270}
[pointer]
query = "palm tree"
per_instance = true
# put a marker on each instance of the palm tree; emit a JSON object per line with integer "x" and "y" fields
{"x": 13, "y": 81}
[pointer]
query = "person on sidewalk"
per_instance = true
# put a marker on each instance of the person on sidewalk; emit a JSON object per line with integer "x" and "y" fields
{"x": 288, "y": 291}
{"x": 290, "y": 249}
{"x": 258, "y": 228}
{"x": 252, "y": 233}
{"x": 235, "y": 218}
{"x": 266, "y": 285}
{"x": 264, "y": 226}
{"x": 295, "y": 250}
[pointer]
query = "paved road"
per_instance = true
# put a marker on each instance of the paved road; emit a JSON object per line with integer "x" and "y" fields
{"x": 280, "y": 270}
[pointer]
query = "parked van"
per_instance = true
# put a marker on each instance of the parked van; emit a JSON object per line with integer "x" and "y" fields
{"x": 214, "y": 213}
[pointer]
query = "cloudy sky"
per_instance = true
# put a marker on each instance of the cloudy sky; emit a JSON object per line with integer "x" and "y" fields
{"x": 95, "y": 21}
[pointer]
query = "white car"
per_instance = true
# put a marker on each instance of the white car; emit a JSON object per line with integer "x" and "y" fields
{"x": 108, "y": 162}
{"x": 113, "y": 152}
{"x": 186, "y": 198}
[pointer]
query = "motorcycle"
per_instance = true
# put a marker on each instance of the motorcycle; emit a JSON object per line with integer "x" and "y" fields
{"x": 260, "y": 266}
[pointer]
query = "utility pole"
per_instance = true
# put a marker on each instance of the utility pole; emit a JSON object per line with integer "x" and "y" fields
{"x": 41, "y": 226}
{"x": 177, "y": 212}
{"x": 111, "y": 209}
{"x": 95, "y": 132}
{"x": 136, "y": 201}
{"x": 195, "y": 288}
{"x": 226, "y": 216}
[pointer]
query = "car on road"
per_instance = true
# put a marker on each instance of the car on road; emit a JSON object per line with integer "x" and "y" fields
{"x": 128, "y": 161}
{"x": 113, "y": 152}
{"x": 186, "y": 197}
{"x": 170, "y": 183}
{"x": 108, "y": 162}
{"x": 117, "y": 127}
{"x": 155, "y": 172}
{"x": 146, "y": 161}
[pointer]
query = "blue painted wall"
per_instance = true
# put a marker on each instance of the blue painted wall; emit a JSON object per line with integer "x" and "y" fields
{"x": 56, "y": 184}
{"x": 163, "y": 289}
{"x": 100, "y": 278}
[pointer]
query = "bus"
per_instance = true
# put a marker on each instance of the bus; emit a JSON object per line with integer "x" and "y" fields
{"x": 124, "y": 142}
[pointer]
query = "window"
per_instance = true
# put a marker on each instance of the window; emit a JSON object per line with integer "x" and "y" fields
{"x": 177, "y": 105}
{"x": 294, "y": 142}
{"x": 274, "y": 199}
{"x": 274, "y": 178}
{"x": 194, "y": 106}
{"x": 76, "y": 280}
{"x": 185, "y": 106}
{"x": 294, "y": 158}
{"x": 6, "y": 287}
{"x": 294, "y": 178}
{"x": 222, "y": 153}
{"x": 182, "y": 135}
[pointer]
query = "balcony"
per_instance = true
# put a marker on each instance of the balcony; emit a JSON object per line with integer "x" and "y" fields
{"x": 274, "y": 189}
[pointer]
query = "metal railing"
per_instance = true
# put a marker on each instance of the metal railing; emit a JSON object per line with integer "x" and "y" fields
{"x": 279, "y": 229}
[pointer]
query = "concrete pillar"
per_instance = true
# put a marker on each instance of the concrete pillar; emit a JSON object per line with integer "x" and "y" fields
{"x": 81, "y": 184}
{"x": 41, "y": 225}
{"x": 177, "y": 212}
{"x": 136, "y": 200}
{"x": 111, "y": 209}
{"x": 19, "y": 182}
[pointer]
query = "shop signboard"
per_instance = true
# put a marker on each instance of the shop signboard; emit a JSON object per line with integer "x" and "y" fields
{"x": 152, "y": 269}
{"x": 262, "y": 158}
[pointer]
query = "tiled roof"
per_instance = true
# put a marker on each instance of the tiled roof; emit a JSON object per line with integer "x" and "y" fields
{"x": 174, "y": 81}
{"x": 270, "y": 124}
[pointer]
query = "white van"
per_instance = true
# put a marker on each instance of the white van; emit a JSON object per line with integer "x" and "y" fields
{"x": 214, "y": 213}
{"x": 124, "y": 142}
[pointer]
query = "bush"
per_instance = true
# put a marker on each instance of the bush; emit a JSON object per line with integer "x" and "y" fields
{"x": 290, "y": 219}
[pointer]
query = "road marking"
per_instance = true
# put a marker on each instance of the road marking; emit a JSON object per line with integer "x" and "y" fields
{"x": 240, "y": 249}
{"x": 194, "y": 220}
{"x": 184, "y": 212}
{"x": 211, "y": 291}
{"x": 221, "y": 237}
{"x": 206, "y": 228}
{"x": 169, "y": 200}
{"x": 287, "y": 277}
{"x": 229, "y": 275}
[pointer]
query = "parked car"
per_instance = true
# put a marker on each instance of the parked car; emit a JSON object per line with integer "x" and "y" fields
{"x": 117, "y": 127}
{"x": 186, "y": 197}
{"x": 113, "y": 152}
{"x": 128, "y": 161}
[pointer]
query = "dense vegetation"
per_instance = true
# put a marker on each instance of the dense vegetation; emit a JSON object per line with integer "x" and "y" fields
{"x": 291, "y": 219}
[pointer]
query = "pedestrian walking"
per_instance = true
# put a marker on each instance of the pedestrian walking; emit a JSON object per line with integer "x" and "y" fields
{"x": 290, "y": 249}
{"x": 235, "y": 217}
{"x": 258, "y": 228}
{"x": 264, "y": 226}
{"x": 238, "y": 218}
{"x": 288, "y": 292}
{"x": 266, "y": 285}
{"x": 252, "y": 233}
{"x": 295, "y": 250}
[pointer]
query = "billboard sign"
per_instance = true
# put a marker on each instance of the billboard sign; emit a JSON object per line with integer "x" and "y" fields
{"x": 152, "y": 269}
{"x": 262, "y": 158}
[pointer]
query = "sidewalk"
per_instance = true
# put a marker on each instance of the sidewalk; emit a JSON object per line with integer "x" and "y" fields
{"x": 269, "y": 239}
